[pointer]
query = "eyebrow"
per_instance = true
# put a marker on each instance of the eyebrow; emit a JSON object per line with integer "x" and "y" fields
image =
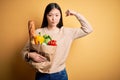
{"x": 53, "y": 13}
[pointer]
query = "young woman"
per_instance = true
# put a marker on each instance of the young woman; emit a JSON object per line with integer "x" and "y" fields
{"x": 53, "y": 25}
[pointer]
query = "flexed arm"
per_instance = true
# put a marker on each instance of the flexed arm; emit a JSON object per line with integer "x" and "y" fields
{"x": 86, "y": 27}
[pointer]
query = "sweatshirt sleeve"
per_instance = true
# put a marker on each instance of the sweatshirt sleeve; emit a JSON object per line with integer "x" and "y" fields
{"x": 85, "y": 28}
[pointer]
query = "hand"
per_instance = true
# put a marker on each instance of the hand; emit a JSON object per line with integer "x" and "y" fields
{"x": 70, "y": 12}
{"x": 36, "y": 57}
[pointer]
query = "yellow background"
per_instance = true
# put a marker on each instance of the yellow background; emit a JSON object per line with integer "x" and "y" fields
{"x": 94, "y": 57}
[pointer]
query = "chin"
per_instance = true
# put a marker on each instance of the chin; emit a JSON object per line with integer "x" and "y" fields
{"x": 53, "y": 24}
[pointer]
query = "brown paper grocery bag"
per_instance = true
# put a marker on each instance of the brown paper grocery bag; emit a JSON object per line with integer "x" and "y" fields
{"x": 46, "y": 51}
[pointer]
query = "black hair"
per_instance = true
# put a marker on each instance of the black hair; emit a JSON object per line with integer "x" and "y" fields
{"x": 49, "y": 7}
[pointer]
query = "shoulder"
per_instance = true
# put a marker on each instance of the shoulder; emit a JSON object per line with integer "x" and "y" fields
{"x": 69, "y": 29}
{"x": 66, "y": 28}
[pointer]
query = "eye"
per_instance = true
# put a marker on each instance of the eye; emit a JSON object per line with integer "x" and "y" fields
{"x": 57, "y": 15}
{"x": 49, "y": 15}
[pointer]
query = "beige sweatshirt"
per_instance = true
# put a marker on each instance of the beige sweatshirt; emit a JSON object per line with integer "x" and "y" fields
{"x": 64, "y": 37}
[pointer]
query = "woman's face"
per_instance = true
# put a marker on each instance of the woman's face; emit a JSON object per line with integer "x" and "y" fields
{"x": 53, "y": 17}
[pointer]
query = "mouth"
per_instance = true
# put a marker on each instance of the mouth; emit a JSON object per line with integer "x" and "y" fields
{"x": 53, "y": 22}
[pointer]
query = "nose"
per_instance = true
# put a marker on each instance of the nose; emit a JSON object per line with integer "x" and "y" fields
{"x": 53, "y": 18}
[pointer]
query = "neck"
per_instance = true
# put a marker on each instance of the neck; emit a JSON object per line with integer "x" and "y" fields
{"x": 52, "y": 27}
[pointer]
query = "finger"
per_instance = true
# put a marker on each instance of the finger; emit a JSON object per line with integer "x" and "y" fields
{"x": 43, "y": 58}
{"x": 38, "y": 59}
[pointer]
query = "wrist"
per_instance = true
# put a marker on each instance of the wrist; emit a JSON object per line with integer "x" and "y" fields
{"x": 79, "y": 16}
{"x": 76, "y": 14}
